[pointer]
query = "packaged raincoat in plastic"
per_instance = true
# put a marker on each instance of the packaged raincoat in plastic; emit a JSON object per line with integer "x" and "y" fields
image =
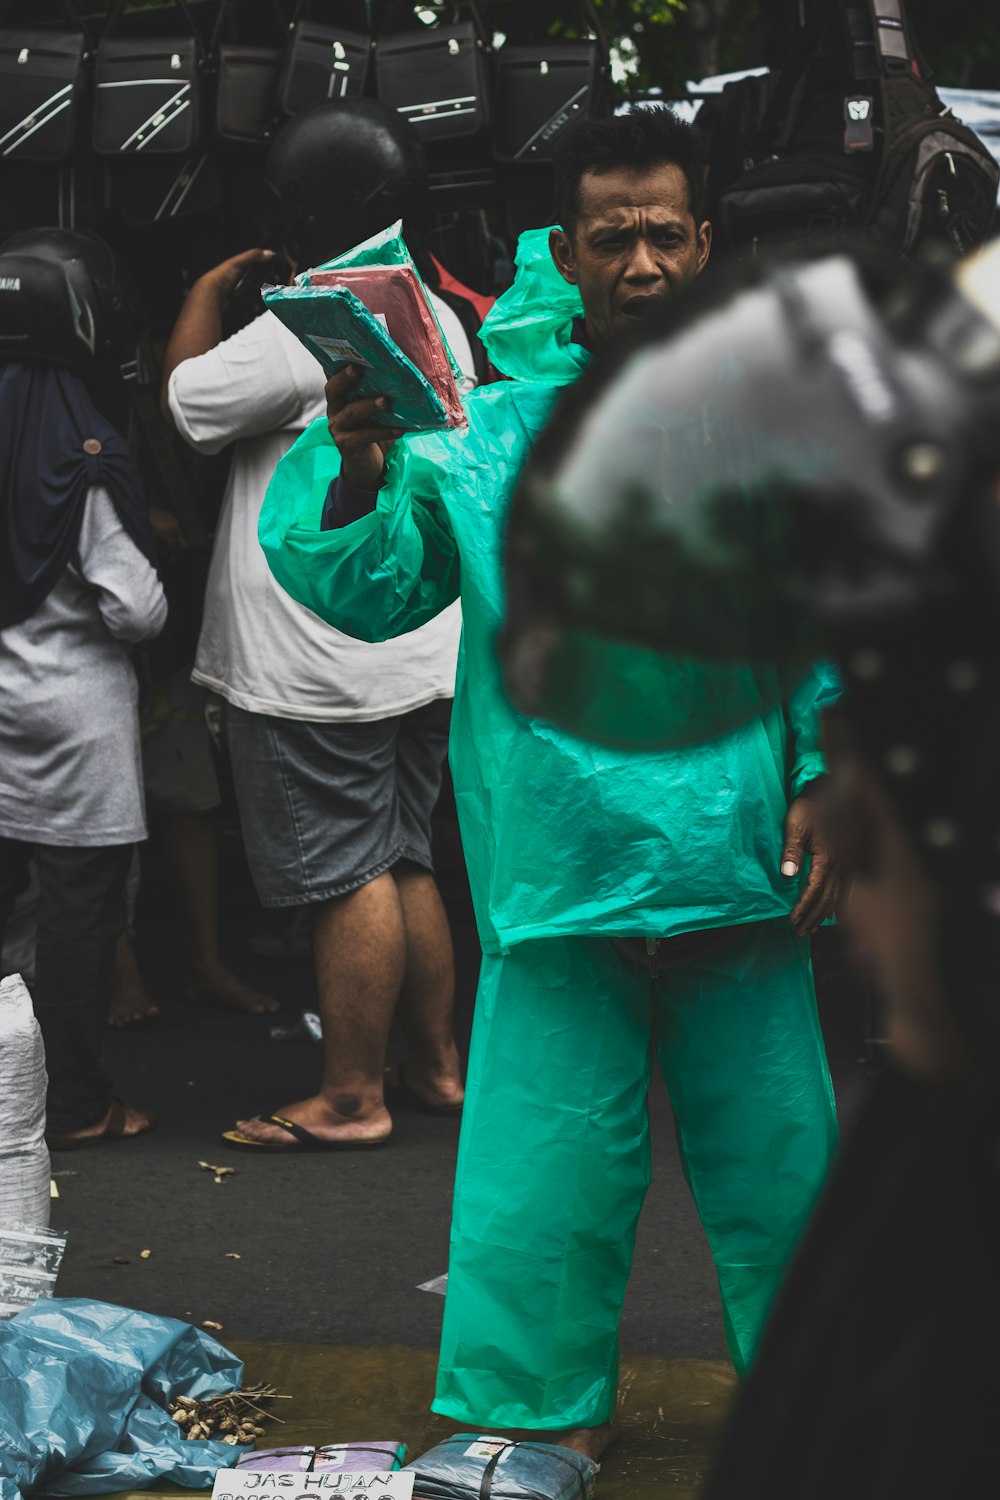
{"x": 352, "y": 1458}
{"x": 387, "y": 248}
{"x": 369, "y": 307}
{"x": 83, "y": 1393}
{"x": 395, "y": 297}
{"x": 561, "y": 837}
{"x": 469, "y": 1467}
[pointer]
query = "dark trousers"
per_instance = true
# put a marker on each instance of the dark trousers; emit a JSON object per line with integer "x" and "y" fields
{"x": 81, "y": 916}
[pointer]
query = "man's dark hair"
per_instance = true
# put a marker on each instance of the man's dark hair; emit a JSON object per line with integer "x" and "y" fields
{"x": 639, "y": 141}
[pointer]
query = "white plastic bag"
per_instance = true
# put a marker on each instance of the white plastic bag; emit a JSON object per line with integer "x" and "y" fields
{"x": 25, "y": 1173}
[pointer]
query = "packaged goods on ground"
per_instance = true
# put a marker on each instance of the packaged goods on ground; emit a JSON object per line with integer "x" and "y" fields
{"x": 473, "y": 1467}
{"x": 341, "y": 1457}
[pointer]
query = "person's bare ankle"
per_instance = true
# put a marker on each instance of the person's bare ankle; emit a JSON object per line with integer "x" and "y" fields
{"x": 356, "y": 1103}
{"x": 350, "y": 1105}
{"x": 592, "y": 1441}
{"x": 437, "y": 1073}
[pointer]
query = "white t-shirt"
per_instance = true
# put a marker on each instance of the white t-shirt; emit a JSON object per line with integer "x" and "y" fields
{"x": 259, "y": 648}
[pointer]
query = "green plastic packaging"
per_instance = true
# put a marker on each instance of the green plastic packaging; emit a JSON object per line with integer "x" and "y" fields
{"x": 353, "y": 323}
{"x": 387, "y": 248}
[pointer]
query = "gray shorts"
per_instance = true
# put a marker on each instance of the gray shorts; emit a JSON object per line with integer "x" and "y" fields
{"x": 325, "y": 807}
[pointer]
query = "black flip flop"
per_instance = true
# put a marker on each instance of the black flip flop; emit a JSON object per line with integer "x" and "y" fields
{"x": 395, "y": 1083}
{"x": 305, "y": 1139}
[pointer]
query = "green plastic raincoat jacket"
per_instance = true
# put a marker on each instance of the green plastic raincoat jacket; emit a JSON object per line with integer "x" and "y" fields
{"x": 561, "y": 837}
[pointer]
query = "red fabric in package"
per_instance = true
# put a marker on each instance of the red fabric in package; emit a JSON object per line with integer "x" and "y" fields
{"x": 396, "y": 295}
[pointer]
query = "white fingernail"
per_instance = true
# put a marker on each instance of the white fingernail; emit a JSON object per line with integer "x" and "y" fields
{"x": 789, "y": 868}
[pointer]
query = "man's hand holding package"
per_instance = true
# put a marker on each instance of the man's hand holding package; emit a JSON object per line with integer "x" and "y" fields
{"x": 362, "y": 440}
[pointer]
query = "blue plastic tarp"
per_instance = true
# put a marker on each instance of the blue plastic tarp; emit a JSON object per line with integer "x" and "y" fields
{"x": 83, "y": 1392}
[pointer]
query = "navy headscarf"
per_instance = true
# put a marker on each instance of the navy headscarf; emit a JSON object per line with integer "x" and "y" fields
{"x": 54, "y": 445}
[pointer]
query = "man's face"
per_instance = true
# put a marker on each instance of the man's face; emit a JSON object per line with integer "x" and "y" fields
{"x": 634, "y": 240}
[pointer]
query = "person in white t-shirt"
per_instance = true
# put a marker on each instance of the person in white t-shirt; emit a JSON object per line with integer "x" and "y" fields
{"x": 337, "y": 747}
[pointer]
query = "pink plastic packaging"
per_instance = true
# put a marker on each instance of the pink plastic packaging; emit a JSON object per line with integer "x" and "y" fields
{"x": 396, "y": 296}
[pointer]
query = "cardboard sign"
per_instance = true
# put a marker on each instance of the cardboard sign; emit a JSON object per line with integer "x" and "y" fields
{"x": 330, "y": 1484}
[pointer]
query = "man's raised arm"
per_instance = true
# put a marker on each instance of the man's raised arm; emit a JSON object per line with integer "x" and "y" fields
{"x": 363, "y": 542}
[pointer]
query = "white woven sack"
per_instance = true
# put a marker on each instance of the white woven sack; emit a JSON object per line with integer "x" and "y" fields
{"x": 24, "y": 1157}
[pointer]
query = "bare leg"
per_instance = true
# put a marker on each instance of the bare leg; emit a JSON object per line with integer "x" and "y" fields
{"x": 130, "y": 1002}
{"x": 360, "y": 950}
{"x": 194, "y": 856}
{"x": 427, "y": 999}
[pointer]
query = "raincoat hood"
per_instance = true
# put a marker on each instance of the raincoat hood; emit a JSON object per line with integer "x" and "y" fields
{"x": 528, "y": 334}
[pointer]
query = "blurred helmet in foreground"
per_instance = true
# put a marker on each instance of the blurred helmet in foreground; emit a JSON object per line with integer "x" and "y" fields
{"x": 786, "y": 464}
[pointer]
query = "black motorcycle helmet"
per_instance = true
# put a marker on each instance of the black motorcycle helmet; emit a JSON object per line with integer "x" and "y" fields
{"x": 65, "y": 299}
{"x": 337, "y": 174}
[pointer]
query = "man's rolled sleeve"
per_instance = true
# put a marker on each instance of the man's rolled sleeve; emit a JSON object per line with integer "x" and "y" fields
{"x": 344, "y": 504}
{"x": 818, "y": 691}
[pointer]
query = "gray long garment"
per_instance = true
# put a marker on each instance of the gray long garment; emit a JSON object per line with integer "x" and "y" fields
{"x": 70, "y": 765}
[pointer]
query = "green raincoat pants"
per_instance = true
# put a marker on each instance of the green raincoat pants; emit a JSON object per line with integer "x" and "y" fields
{"x": 554, "y": 1159}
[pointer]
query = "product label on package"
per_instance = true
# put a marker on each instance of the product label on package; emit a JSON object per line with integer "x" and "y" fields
{"x": 259, "y": 1484}
{"x": 338, "y": 351}
{"x": 487, "y": 1447}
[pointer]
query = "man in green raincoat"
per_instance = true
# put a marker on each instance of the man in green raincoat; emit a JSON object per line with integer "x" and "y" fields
{"x": 570, "y": 847}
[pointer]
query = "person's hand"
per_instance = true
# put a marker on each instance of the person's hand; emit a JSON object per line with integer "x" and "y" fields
{"x": 224, "y": 277}
{"x": 166, "y": 530}
{"x": 805, "y": 835}
{"x": 362, "y": 441}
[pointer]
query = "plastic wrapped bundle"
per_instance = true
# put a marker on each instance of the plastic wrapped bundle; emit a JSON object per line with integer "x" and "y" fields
{"x": 338, "y": 330}
{"x": 24, "y": 1156}
{"x": 395, "y": 295}
{"x": 387, "y": 248}
{"x": 351, "y": 1458}
{"x": 369, "y": 307}
{"x": 468, "y": 1467}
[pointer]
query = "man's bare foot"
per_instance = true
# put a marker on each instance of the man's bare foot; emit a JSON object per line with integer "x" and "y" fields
{"x": 355, "y": 1120}
{"x": 130, "y": 1002}
{"x": 214, "y": 984}
{"x": 592, "y": 1441}
{"x": 120, "y": 1122}
{"x": 438, "y": 1088}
